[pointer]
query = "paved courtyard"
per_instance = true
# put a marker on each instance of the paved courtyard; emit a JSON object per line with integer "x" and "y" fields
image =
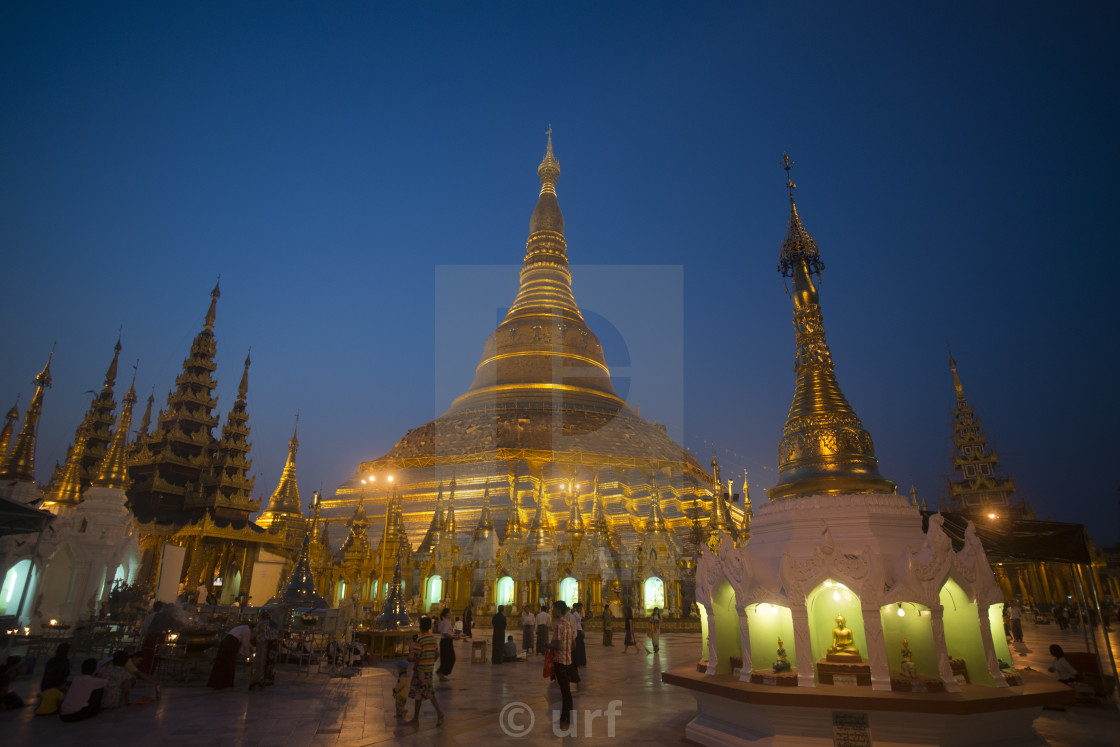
{"x": 316, "y": 709}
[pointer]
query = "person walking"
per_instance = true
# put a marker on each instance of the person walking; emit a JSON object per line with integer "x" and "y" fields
{"x": 1015, "y": 615}
{"x": 543, "y": 618}
{"x": 468, "y": 621}
{"x": 562, "y": 660}
{"x": 528, "y": 625}
{"x": 446, "y": 644}
{"x": 608, "y": 618}
{"x": 579, "y": 649}
{"x": 628, "y": 629}
{"x": 424, "y": 652}
{"x": 498, "y": 623}
{"x": 655, "y": 627}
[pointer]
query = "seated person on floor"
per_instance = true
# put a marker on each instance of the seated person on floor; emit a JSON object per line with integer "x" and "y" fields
{"x": 119, "y": 679}
{"x": 1062, "y": 669}
{"x": 83, "y": 698}
{"x": 12, "y": 668}
{"x": 510, "y": 650}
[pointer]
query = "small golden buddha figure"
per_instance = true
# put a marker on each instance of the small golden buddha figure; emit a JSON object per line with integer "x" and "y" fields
{"x": 782, "y": 664}
{"x": 843, "y": 646}
{"x": 907, "y": 664}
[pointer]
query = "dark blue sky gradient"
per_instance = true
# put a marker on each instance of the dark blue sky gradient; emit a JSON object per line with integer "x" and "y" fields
{"x": 956, "y": 165}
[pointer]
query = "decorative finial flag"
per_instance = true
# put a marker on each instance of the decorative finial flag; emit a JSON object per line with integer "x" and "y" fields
{"x": 787, "y": 164}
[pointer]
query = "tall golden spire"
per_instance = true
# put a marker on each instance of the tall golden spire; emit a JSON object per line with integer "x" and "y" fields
{"x": 68, "y": 490}
{"x": 824, "y": 447}
{"x": 575, "y": 516}
{"x": 435, "y": 528}
{"x": 113, "y": 470}
{"x": 285, "y": 499}
{"x": 98, "y": 423}
{"x": 543, "y": 354}
{"x": 513, "y": 515}
{"x": 9, "y": 427}
{"x": 599, "y": 520}
{"x": 19, "y": 464}
{"x": 540, "y": 528}
{"x": 485, "y": 522}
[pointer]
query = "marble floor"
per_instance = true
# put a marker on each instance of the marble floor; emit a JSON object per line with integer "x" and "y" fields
{"x": 484, "y": 704}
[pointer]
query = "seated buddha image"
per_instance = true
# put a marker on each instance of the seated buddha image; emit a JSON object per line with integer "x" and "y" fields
{"x": 842, "y": 642}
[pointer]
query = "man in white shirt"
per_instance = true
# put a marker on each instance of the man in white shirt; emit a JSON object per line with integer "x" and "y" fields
{"x": 543, "y": 619}
{"x": 83, "y": 698}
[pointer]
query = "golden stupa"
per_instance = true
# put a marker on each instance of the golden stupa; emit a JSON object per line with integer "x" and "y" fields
{"x": 542, "y": 434}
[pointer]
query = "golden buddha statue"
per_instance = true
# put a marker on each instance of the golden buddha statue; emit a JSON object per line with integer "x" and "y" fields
{"x": 907, "y": 664}
{"x": 843, "y": 647}
{"x": 782, "y": 664}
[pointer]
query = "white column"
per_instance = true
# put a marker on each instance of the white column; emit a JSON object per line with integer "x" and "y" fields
{"x": 712, "y": 652}
{"x": 745, "y": 646}
{"x": 876, "y": 649}
{"x": 806, "y": 670}
{"x": 944, "y": 671}
{"x": 989, "y": 646}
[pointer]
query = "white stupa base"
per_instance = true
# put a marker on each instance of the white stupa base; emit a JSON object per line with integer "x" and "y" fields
{"x": 737, "y": 714}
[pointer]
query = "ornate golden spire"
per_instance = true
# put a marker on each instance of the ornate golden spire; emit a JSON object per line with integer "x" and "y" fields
{"x": 720, "y": 518}
{"x": 599, "y": 521}
{"x": 540, "y": 528}
{"x": 575, "y": 516}
{"x": 824, "y": 448}
{"x": 549, "y": 170}
{"x": 543, "y": 354}
{"x": 748, "y": 510}
{"x": 68, "y": 490}
{"x": 485, "y": 522}
{"x": 9, "y": 427}
{"x": 656, "y": 521}
{"x": 19, "y": 464}
{"x": 211, "y": 313}
{"x": 435, "y": 528}
{"x": 113, "y": 470}
{"x": 513, "y": 515}
{"x": 285, "y": 499}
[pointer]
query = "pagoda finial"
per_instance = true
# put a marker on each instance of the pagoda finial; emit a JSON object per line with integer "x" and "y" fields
{"x": 285, "y": 499}
{"x": 824, "y": 448}
{"x": 787, "y": 164}
{"x": 111, "y": 374}
{"x": 19, "y": 464}
{"x": 9, "y": 427}
{"x": 485, "y": 523}
{"x": 575, "y": 516}
{"x": 146, "y": 418}
{"x": 956, "y": 378}
{"x": 798, "y": 246}
{"x": 549, "y": 170}
{"x": 113, "y": 470}
{"x": 211, "y": 313}
{"x": 243, "y": 387}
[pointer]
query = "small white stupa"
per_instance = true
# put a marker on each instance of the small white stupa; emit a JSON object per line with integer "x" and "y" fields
{"x": 837, "y": 598}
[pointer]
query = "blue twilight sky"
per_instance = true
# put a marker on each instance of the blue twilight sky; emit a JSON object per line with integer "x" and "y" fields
{"x": 331, "y": 161}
